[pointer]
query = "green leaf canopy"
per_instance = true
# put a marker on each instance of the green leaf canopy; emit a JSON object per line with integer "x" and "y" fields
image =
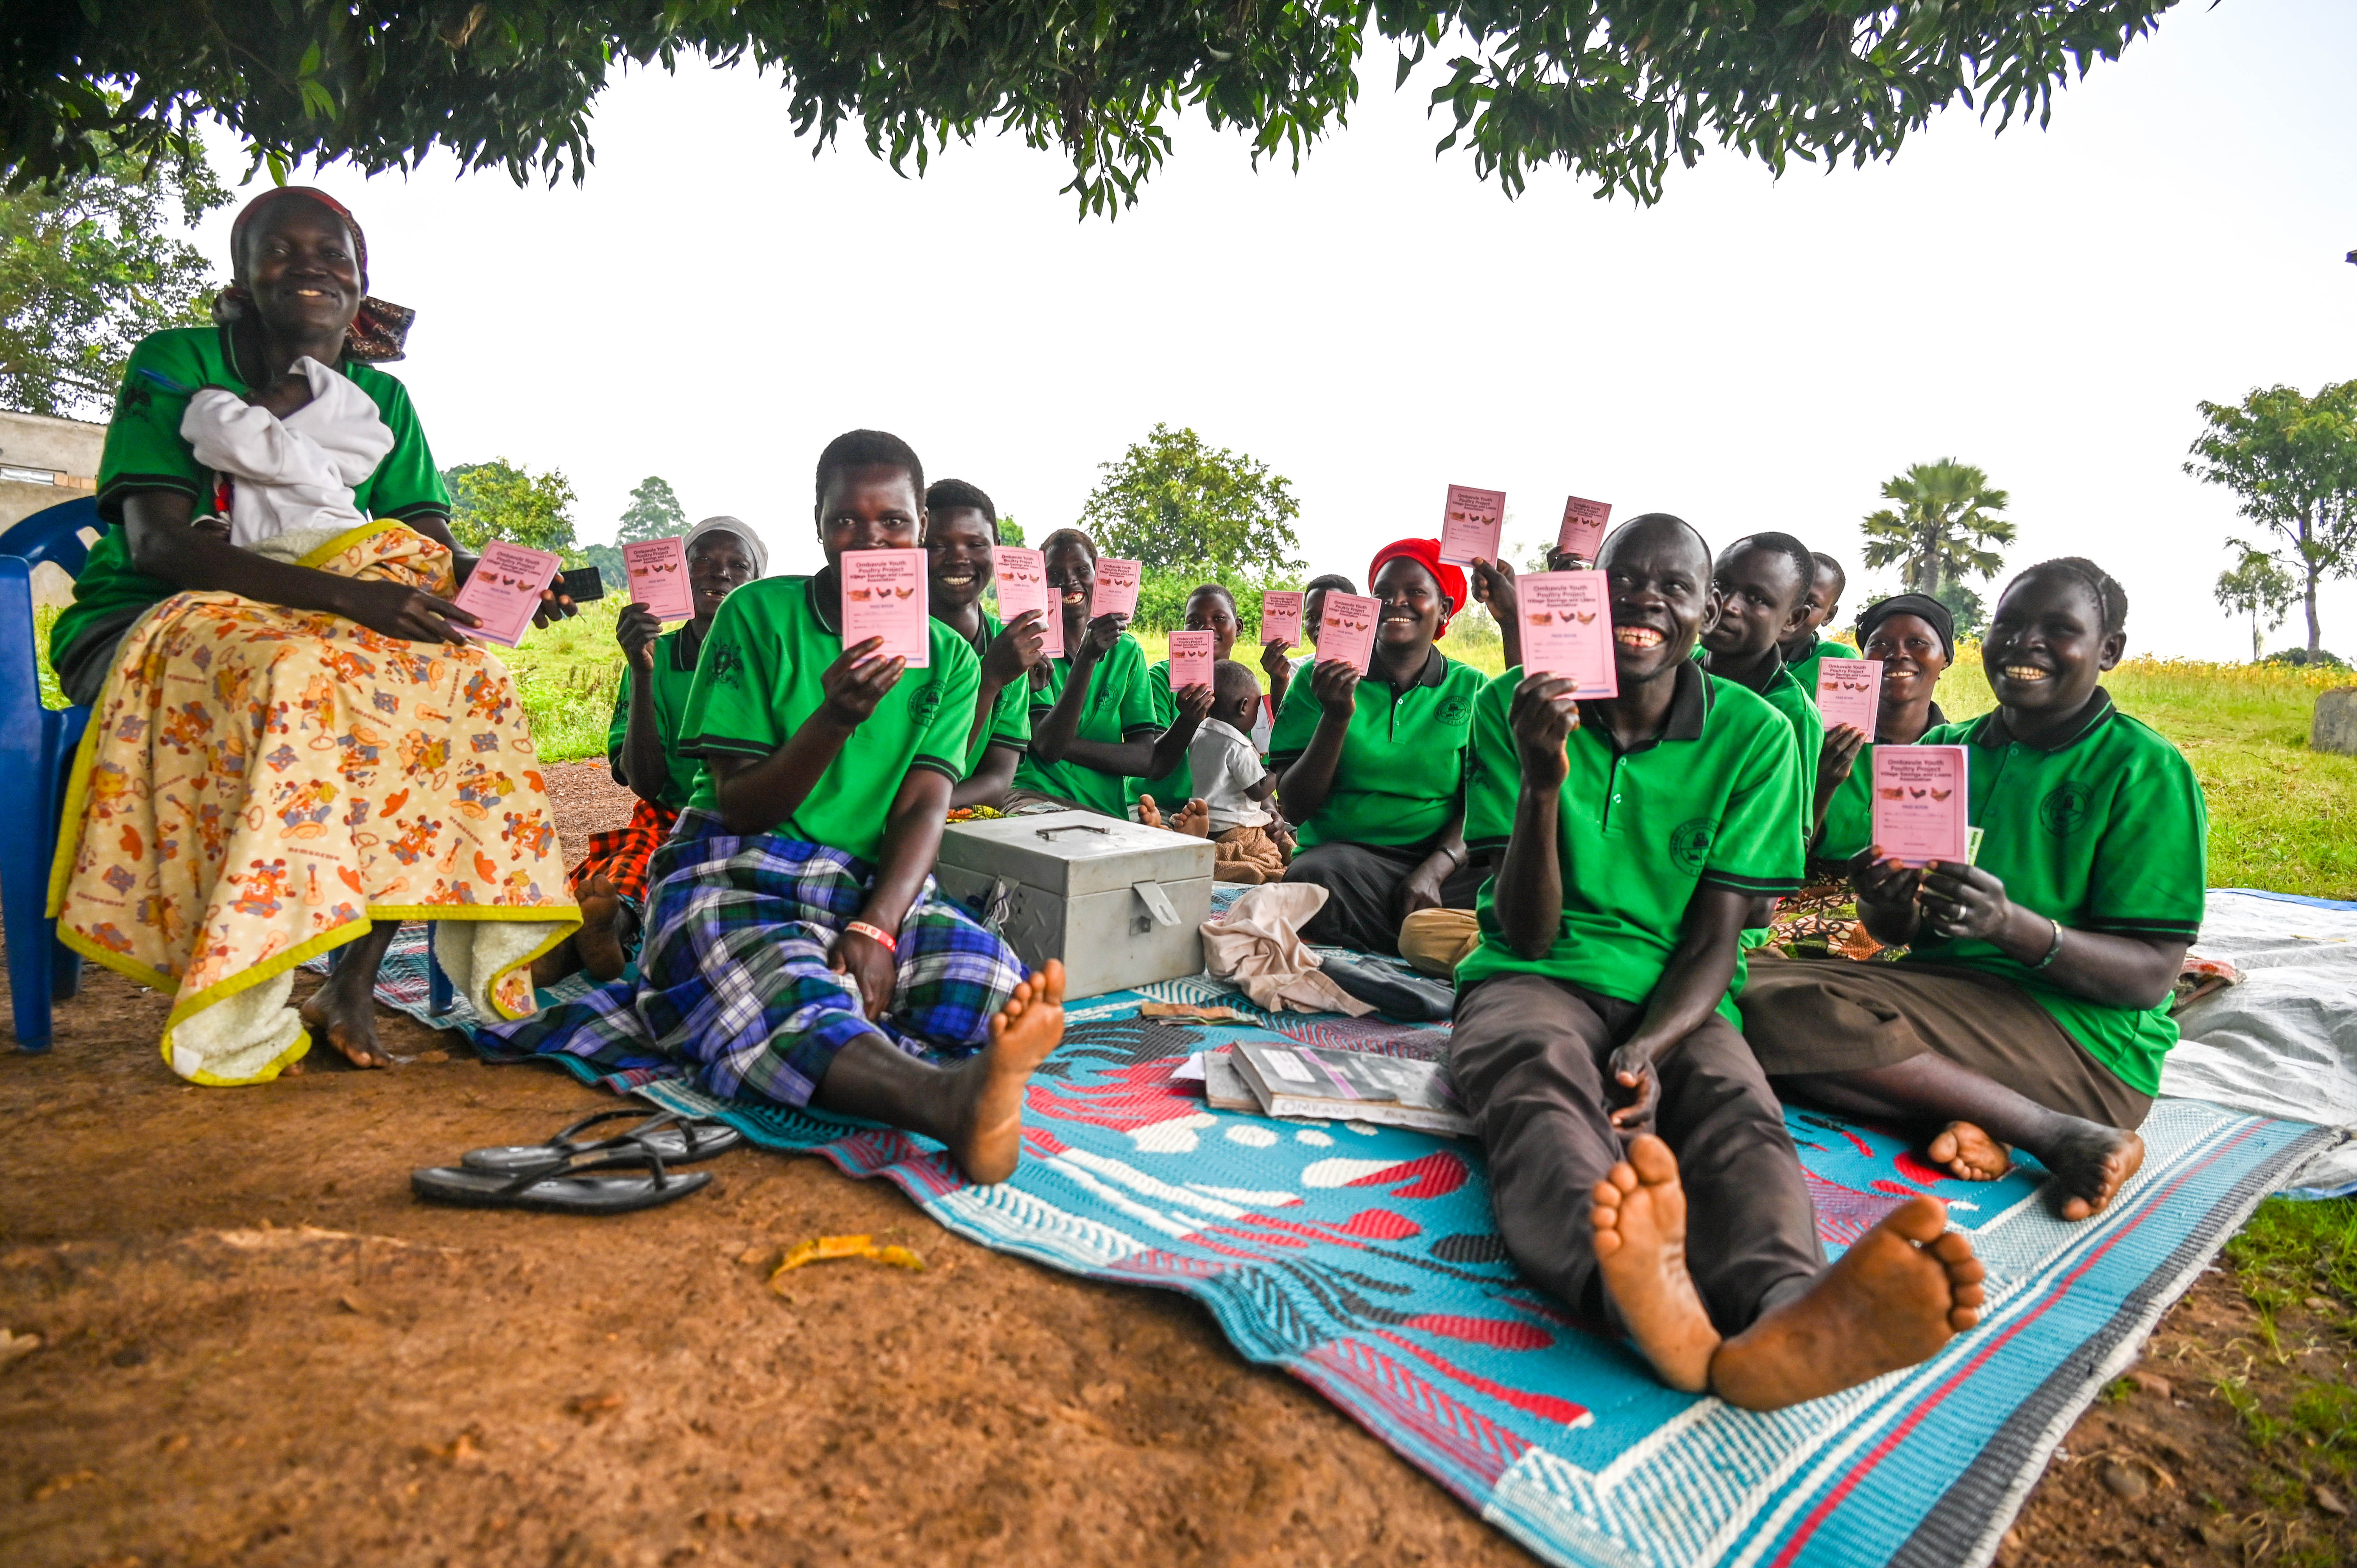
{"x": 1616, "y": 90}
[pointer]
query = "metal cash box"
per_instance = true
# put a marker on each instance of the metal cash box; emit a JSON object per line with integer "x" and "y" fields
{"x": 1122, "y": 905}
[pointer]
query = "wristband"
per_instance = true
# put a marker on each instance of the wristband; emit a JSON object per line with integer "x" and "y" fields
{"x": 881, "y": 937}
{"x": 2053, "y": 950}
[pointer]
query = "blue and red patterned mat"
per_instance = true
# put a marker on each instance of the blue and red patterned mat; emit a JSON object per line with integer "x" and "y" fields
{"x": 1363, "y": 1261}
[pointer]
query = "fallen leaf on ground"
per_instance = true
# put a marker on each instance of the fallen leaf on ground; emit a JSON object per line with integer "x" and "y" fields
{"x": 350, "y": 1302}
{"x": 2331, "y": 1501}
{"x": 593, "y": 1404}
{"x": 829, "y": 1249}
{"x": 11, "y": 1346}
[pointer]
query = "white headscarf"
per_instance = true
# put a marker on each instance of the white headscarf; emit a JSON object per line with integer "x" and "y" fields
{"x": 725, "y": 524}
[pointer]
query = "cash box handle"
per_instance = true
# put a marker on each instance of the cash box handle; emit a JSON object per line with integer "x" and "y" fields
{"x": 1157, "y": 902}
{"x": 1050, "y": 834}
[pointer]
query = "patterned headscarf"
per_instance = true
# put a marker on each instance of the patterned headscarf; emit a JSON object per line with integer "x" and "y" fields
{"x": 380, "y": 327}
{"x": 1425, "y": 553}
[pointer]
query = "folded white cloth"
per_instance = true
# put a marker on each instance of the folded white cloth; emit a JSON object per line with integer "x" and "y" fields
{"x": 1258, "y": 946}
{"x": 295, "y": 474}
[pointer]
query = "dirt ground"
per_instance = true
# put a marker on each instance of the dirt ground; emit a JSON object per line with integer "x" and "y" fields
{"x": 256, "y": 1349}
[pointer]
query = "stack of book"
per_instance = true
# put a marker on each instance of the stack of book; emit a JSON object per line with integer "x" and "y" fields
{"x": 1274, "y": 1080}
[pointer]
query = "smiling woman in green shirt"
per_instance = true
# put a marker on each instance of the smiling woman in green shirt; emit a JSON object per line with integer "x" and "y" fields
{"x": 2032, "y": 1008}
{"x": 1371, "y": 768}
{"x": 1915, "y": 640}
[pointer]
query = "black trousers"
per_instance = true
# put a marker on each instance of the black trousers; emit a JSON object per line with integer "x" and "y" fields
{"x": 1362, "y": 883}
{"x": 1528, "y": 1055}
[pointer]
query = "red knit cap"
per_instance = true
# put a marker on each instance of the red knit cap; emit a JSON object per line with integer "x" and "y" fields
{"x": 1425, "y": 553}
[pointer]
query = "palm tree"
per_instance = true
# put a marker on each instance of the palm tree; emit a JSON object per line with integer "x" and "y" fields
{"x": 1947, "y": 515}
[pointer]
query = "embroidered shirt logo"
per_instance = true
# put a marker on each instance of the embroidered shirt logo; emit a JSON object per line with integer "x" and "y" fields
{"x": 1456, "y": 713}
{"x": 2064, "y": 810}
{"x": 925, "y": 703}
{"x": 725, "y": 663}
{"x": 1690, "y": 842}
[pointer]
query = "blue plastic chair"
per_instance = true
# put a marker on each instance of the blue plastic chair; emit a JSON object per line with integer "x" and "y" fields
{"x": 37, "y": 745}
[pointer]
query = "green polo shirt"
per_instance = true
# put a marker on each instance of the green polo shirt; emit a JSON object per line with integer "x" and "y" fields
{"x": 1713, "y": 802}
{"x": 144, "y": 451}
{"x": 1119, "y": 707}
{"x": 1805, "y": 668}
{"x": 1175, "y": 788}
{"x": 758, "y": 678}
{"x": 1010, "y": 714}
{"x": 1402, "y": 772}
{"x": 1849, "y": 815}
{"x": 673, "y": 675}
{"x": 2106, "y": 831}
{"x": 1788, "y": 697}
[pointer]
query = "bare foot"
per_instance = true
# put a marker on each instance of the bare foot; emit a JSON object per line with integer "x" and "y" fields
{"x": 1964, "y": 1150}
{"x": 2091, "y": 1163}
{"x": 333, "y": 1016}
{"x": 1906, "y": 1289}
{"x": 1640, "y": 1216}
{"x": 989, "y": 1144}
{"x": 599, "y": 944}
{"x": 1148, "y": 813}
{"x": 1194, "y": 819}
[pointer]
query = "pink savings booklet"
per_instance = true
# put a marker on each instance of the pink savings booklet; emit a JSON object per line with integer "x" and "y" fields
{"x": 1568, "y": 630}
{"x": 1582, "y": 534}
{"x": 1190, "y": 659}
{"x": 1849, "y": 692}
{"x": 1280, "y": 617}
{"x": 1346, "y": 630}
{"x": 884, "y": 595}
{"x": 1116, "y": 590}
{"x": 1021, "y": 576}
{"x": 658, "y": 574}
{"x": 504, "y": 589}
{"x": 1471, "y": 524}
{"x": 1920, "y": 804}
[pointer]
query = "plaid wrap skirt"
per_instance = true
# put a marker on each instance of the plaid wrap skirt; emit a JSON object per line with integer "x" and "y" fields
{"x": 733, "y": 988}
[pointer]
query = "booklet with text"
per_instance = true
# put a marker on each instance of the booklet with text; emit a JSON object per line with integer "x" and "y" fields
{"x": 657, "y": 569}
{"x": 1351, "y": 1086}
{"x": 1471, "y": 524}
{"x": 504, "y": 589}
{"x": 1021, "y": 578}
{"x": 1568, "y": 630}
{"x": 1582, "y": 534}
{"x": 1190, "y": 659}
{"x": 1849, "y": 692}
{"x": 1346, "y": 630}
{"x": 1921, "y": 804}
{"x": 1280, "y": 617}
{"x": 1116, "y": 590}
{"x": 884, "y": 595}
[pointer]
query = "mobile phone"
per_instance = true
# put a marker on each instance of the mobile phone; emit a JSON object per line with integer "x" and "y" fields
{"x": 581, "y": 585}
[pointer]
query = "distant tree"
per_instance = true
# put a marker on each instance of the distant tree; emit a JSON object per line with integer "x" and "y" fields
{"x": 608, "y": 558}
{"x": 89, "y": 267}
{"x": 2292, "y": 460}
{"x": 655, "y": 513}
{"x": 500, "y": 500}
{"x": 1965, "y": 608}
{"x": 1010, "y": 531}
{"x": 1945, "y": 519}
{"x": 1182, "y": 507}
{"x": 2258, "y": 586}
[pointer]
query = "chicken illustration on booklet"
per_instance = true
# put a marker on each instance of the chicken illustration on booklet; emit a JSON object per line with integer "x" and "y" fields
{"x": 504, "y": 589}
{"x": 657, "y": 569}
{"x": 1116, "y": 590}
{"x": 1190, "y": 659}
{"x": 1346, "y": 631}
{"x": 1849, "y": 692}
{"x": 1471, "y": 524}
{"x": 1568, "y": 630}
{"x": 884, "y": 595}
{"x": 1582, "y": 534}
{"x": 1280, "y": 617}
{"x": 1921, "y": 804}
{"x": 1021, "y": 577}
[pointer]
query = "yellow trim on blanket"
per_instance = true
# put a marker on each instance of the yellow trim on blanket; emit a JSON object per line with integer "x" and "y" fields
{"x": 77, "y": 801}
{"x": 352, "y": 536}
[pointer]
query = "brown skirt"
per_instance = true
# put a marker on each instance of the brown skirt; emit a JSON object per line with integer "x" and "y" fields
{"x": 1828, "y": 1017}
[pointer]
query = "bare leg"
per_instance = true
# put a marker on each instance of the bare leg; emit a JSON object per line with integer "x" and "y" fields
{"x": 1906, "y": 1289}
{"x": 975, "y": 1107}
{"x": 2090, "y": 1161}
{"x": 342, "y": 1012}
{"x": 1194, "y": 819}
{"x": 1640, "y": 1216}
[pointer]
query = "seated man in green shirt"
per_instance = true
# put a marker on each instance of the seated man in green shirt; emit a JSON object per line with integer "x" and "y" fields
{"x": 1372, "y": 768}
{"x": 1635, "y": 833}
{"x": 2032, "y": 1008}
{"x": 961, "y": 529}
{"x": 1094, "y": 722}
{"x": 1804, "y": 648}
{"x": 796, "y": 948}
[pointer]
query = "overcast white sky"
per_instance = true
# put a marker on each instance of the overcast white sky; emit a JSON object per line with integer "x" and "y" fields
{"x": 714, "y": 304}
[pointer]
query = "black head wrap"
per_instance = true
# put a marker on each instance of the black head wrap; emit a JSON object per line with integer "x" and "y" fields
{"x": 1921, "y": 605}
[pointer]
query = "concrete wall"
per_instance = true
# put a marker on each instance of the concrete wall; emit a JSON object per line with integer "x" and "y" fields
{"x": 44, "y": 461}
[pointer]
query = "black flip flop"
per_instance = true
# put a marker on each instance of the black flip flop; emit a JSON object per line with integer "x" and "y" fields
{"x": 572, "y": 1188}
{"x": 679, "y": 1142}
